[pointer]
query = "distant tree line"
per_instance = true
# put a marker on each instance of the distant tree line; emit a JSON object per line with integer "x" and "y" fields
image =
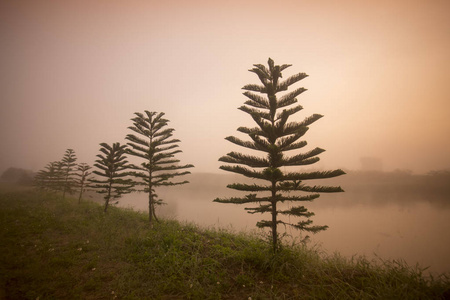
{"x": 17, "y": 175}
{"x": 112, "y": 175}
{"x": 403, "y": 182}
{"x": 65, "y": 176}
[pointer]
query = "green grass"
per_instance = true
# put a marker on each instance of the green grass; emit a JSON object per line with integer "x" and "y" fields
{"x": 59, "y": 249}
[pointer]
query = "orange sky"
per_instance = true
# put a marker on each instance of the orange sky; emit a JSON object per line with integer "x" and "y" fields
{"x": 74, "y": 72}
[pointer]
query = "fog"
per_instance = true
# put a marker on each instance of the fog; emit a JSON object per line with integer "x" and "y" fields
{"x": 387, "y": 215}
{"x": 74, "y": 72}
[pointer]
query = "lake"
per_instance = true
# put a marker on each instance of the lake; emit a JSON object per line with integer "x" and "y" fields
{"x": 392, "y": 216}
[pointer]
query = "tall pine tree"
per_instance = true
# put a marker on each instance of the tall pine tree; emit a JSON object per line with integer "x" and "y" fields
{"x": 112, "y": 168}
{"x": 154, "y": 145}
{"x": 82, "y": 178}
{"x": 68, "y": 165}
{"x": 274, "y": 136}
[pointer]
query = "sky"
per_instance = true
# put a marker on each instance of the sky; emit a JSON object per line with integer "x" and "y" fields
{"x": 73, "y": 73}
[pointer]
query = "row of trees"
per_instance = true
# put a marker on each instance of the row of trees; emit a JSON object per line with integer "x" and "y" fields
{"x": 269, "y": 105}
{"x": 151, "y": 142}
{"x": 64, "y": 176}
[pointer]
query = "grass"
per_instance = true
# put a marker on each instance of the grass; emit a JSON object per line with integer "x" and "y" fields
{"x": 59, "y": 249}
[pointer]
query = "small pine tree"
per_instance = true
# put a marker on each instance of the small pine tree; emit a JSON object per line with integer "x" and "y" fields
{"x": 154, "y": 146}
{"x": 274, "y": 136}
{"x": 112, "y": 167}
{"x": 41, "y": 178}
{"x": 83, "y": 177}
{"x": 50, "y": 178}
{"x": 58, "y": 177}
{"x": 68, "y": 166}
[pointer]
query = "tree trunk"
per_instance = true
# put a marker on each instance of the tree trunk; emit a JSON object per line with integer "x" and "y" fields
{"x": 65, "y": 185}
{"x": 151, "y": 202}
{"x": 154, "y": 214}
{"x": 81, "y": 192}
{"x": 106, "y": 204}
{"x": 274, "y": 219}
{"x": 274, "y": 227}
{"x": 150, "y": 206}
{"x": 64, "y": 190}
{"x": 107, "y": 197}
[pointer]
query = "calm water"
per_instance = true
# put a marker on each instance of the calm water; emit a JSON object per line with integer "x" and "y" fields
{"x": 391, "y": 225}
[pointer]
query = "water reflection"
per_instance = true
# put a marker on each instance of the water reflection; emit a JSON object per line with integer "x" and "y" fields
{"x": 377, "y": 215}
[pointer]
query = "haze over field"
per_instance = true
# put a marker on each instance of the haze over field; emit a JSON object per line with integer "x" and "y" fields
{"x": 74, "y": 72}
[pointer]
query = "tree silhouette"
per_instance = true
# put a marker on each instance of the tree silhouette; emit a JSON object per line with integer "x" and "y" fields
{"x": 83, "y": 177}
{"x": 154, "y": 145}
{"x": 275, "y": 136}
{"x": 51, "y": 177}
{"x": 68, "y": 165}
{"x": 112, "y": 167}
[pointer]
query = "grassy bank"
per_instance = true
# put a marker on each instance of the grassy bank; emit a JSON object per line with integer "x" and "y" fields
{"x": 57, "y": 249}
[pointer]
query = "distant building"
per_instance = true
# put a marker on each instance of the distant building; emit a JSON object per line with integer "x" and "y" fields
{"x": 371, "y": 164}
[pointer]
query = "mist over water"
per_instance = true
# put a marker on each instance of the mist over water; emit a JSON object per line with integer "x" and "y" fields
{"x": 389, "y": 215}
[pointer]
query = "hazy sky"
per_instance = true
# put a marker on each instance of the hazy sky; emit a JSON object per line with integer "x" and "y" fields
{"x": 74, "y": 72}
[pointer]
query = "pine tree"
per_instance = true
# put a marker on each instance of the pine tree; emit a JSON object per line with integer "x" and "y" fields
{"x": 57, "y": 178}
{"x": 154, "y": 145}
{"x": 275, "y": 136}
{"x": 50, "y": 178}
{"x": 68, "y": 165}
{"x": 41, "y": 177}
{"x": 83, "y": 177}
{"x": 112, "y": 167}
